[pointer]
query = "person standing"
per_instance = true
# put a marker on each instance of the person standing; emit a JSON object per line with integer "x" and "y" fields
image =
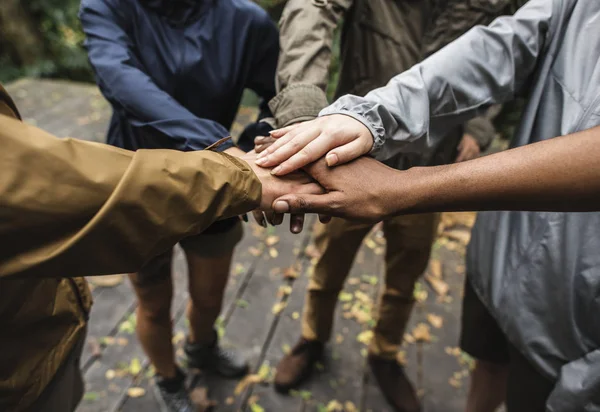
{"x": 379, "y": 39}
{"x": 174, "y": 72}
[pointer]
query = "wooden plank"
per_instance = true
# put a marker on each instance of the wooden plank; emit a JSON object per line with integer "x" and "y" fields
{"x": 252, "y": 322}
{"x": 242, "y": 268}
{"x": 445, "y": 371}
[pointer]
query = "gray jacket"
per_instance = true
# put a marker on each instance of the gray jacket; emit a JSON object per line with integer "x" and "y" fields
{"x": 538, "y": 273}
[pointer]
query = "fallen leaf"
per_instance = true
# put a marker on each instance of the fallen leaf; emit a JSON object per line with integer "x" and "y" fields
{"x": 135, "y": 367}
{"x": 363, "y": 297}
{"x": 179, "y": 337}
{"x": 345, "y": 296}
{"x": 286, "y": 348}
{"x": 95, "y": 347}
{"x": 238, "y": 269}
{"x": 353, "y": 281}
{"x": 421, "y": 333}
{"x": 255, "y": 407}
{"x": 229, "y": 400}
{"x": 364, "y": 352}
{"x": 136, "y": 392}
{"x": 311, "y": 251}
{"x": 91, "y": 396}
{"x": 253, "y": 399}
{"x": 245, "y": 382}
{"x": 339, "y": 338}
{"x": 284, "y": 290}
{"x": 454, "y": 382}
{"x": 295, "y": 315}
{"x": 408, "y": 338}
{"x": 254, "y": 251}
{"x": 435, "y": 320}
{"x": 273, "y": 252}
{"x": 275, "y": 271}
{"x": 420, "y": 294}
{"x": 435, "y": 268}
{"x": 241, "y": 303}
{"x": 379, "y": 251}
{"x": 122, "y": 341}
{"x": 291, "y": 273}
{"x": 107, "y": 341}
{"x": 439, "y": 286}
{"x": 106, "y": 281}
{"x": 264, "y": 371}
{"x": 306, "y": 395}
{"x": 278, "y": 307}
{"x": 110, "y": 374}
{"x": 370, "y": 243}
{"x": 350, "y": 407}
{"x": 335, "y": 406}
{"x": 370, "y": 279}
{"x": 365, "y": 337}
{"x": 272, "y": 240}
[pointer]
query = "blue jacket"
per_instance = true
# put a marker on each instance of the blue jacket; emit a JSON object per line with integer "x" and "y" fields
{"x": 175, "y": 70}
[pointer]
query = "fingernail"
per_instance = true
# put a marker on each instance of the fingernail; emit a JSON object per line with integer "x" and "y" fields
{"x": 261, "y": 161}
{"x": 276, "y": 170}
{"x": 281, "y": 206}
{"x": 331, "y": 159}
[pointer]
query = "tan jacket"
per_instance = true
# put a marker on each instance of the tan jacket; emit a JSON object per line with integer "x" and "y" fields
{"x": 71, "y": 208}
{"x": 380, "y": 38}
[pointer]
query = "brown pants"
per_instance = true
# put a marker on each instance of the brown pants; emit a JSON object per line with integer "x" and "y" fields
{"x": 409, "y": 240}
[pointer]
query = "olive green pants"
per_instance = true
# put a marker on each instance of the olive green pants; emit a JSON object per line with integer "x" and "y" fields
{"x": 409, "y": 240}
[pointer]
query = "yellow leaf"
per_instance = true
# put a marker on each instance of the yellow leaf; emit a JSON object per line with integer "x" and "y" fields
{"x": 311, "y": 251}
{"x": 421, "y": 333}
{"x": 435, "y": 268}
{"x": 229, "y": 400}
{"x": 273, "y": 252}
{"x": 272, "y": 240}
{"x": 363, "y": 297}
{"x": 435, "y": 320}
{"x": 290, "y": 273}
{"x": 353, "y": 281}
{"x": 379, "y": 251}
{"x": 454, "y": 382}
{"x": 254, "y": 251}
{"x": 365, "y": 337}
{"x": 408, "y": 338}
{"x": 122, "y": 341}
{"x": 295, "y": 315}
{"x": 245, "y": 382}
{"x": 334, "y": 406}
{"x": 439, "y": 286}
{"x": 278, "y": 307}
{"x": 350, "y": 407}
{"x": 370, "y": 243}
{"x": 345, "y": 297}
{"x": 110, "y": 374}
{"x": 179, "y": 337}
{"x": 284, "y": 290}
{"x": 136, "y": 392}
{"x": 135, "y": 367}
{"x": 339, "y": 338}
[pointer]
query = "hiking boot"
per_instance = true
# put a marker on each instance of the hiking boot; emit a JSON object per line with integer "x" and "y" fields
{"x": 213, "y": 358}
{"x": 297, "y": 366}
{"x": 394, "y": 384}
{"x": 171, "y": 394}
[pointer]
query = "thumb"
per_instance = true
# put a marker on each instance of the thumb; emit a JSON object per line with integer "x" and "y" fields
{"x": 347, "y": 152}
{"x": 305, "y": 203}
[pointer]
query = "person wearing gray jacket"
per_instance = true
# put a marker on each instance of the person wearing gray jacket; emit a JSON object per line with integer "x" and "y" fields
{"x": 534, "y": 276}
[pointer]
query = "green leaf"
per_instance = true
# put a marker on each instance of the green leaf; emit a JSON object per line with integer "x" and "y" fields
{"x": 135, "y": 367}
{"x": 346, "y": 297}
{"x": 91, "y": 396}
{"x": 241, "y": 303}
{"x": 255, "y": 407}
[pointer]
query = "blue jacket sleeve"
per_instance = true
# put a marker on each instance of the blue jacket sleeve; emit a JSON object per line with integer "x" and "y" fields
{"x": 264, "y": 67}
{"x": 124, "y": 83}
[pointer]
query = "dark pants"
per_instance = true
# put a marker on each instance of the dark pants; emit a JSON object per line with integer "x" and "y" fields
{"x": 65, "y": 390}
{"x": 482, "y": 338}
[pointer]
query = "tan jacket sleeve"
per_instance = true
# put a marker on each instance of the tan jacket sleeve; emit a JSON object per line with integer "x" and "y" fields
{"x": 306, "y": 39}
{"x": 75, "y": 208}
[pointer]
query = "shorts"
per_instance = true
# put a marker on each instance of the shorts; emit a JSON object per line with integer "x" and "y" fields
{"x": 218, "y": 239}
{"x": 482, "y": 338}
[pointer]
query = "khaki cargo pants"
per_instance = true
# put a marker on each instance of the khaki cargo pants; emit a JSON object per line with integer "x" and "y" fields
{"x": 409, "y": 240}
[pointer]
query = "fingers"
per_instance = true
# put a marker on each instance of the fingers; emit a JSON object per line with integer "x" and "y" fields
{"x": 260, "y": 218}
{"x": 347, "y": 152}
{"x": 280, "y": 132}
{"x": 261, "y": 143}
{"x": 296, "y": 223}
{"x": 307, "y": 203}
{"x": 300, "y": 150}
{"x": 324, "y": 218}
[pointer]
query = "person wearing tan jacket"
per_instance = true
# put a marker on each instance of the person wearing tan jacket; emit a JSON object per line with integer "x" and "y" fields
{"x": 379, "y": 40}
{"x": 70, "y": 208}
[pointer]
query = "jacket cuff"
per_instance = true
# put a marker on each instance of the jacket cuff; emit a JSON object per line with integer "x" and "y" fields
{"x": 482, "y": 130}
{"x": 365, "y": 112}
{"x": 297, "y": 103}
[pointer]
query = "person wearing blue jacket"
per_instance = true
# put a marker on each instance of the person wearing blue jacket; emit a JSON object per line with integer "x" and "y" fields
{"x": 174, "y": 72}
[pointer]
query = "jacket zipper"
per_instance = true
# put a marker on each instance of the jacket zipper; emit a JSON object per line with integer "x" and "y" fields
{"x": 79, "y": 298}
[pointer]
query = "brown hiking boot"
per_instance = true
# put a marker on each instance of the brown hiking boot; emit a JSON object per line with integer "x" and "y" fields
{"x": 297, "y": 366}
{"x": 394, "y": 384}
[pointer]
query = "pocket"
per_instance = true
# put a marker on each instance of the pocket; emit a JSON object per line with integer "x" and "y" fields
{"x": 489, "y": 6}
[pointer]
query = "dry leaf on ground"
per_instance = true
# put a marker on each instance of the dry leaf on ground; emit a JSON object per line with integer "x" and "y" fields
{"x": 435, "y": 268}
{"x": 272, "y": 240}
{"x": 421, "y": 333}
{"x": 278, "y": 307}
{"x": 245, "y": 382}
{"x": 136, "y": 392}
{"x": 440, "y": 287}
{"x": 435, "y": 320}
{"x": 273, "y": 252}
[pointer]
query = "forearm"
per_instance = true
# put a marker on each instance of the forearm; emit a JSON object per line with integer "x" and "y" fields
{"x": 74, "y": 208}
{"x": 561, "y": 174}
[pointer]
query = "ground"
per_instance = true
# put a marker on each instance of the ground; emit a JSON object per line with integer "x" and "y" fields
{"x": 263, "y": 304}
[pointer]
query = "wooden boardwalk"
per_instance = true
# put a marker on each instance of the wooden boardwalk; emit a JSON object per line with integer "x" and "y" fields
{"x": 263, "y": 304}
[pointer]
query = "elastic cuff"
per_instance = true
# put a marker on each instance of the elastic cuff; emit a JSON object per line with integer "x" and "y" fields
{"x": 376, "y": 132}
{"x": 296, "y": 103}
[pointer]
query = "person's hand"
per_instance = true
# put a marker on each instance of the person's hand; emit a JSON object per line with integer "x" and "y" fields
{"x": 274, "y": 187}
{"x": 364, "y": 189}
{"x": 338, "y": 137}
{"x": 468, "y": 149}
{"x": 261, "y": 143}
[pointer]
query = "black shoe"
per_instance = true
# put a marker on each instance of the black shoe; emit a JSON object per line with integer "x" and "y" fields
{"x": 213, "y": 358}
{"x": 171, "y": 394}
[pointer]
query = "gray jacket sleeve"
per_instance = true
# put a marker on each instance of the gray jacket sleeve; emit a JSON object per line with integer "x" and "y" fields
{"x": 486, "y": 66}
{"x": 578, "y": 387}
